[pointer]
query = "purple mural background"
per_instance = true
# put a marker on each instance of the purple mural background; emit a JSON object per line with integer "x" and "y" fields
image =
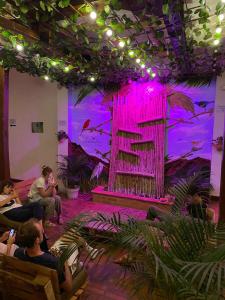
{"x": 189, "y": 127}
{"x": 190, "y": 134}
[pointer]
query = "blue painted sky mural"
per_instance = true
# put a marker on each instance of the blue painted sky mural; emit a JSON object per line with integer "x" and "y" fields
{"x": 189, "y": 123}
{"x": 90, "y": 124}
{"x": 190, "y": 133}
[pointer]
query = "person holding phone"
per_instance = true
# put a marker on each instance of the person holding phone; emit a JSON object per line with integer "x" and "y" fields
{"x": 11, "y": 207}
{"x": 7, "y": 243}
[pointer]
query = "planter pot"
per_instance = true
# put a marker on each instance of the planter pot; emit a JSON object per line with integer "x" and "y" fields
{"x": 73, "y": 193}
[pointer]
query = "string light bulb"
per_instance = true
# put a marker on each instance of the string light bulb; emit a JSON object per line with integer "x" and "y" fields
{"x": 223, "y": 1}
{"x": 121, "y": 44}
{"x": 66, "y": 69}
{"x": 219, "y": 29}
{"x": 142, "y": 66}
{"x": 109, "y": 32}
{"x": 221, "y": 17}
{"x": 149, "y": 70}
{"x": 153, "y": 75}
{"x": 131, "y": 53}
{"x": 19, "y": 47}
{"x": 93, "y": 15}
{"x": 54, "y": 63}
{"x": 216, "y": 42}
{"x": 92, "y": 79}
{"x": 138, "y": 60}
{"x": 46, "y": 77}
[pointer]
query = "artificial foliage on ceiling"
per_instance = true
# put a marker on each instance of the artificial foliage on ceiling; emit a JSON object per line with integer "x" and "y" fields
{"x": 109, "y": 42}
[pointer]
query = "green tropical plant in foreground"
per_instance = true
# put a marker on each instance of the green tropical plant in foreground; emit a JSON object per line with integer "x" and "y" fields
{"x": 182, "y": 258}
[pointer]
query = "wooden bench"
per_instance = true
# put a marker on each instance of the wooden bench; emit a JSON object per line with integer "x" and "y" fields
{"x": 22, "y": 188}
{"x": 21, "y": 280}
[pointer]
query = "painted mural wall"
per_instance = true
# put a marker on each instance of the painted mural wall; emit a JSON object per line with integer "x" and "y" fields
{"x": 90, "y": 124}
{"x": 190, "y": 118}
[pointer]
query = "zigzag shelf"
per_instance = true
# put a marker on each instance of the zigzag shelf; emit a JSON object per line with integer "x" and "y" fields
{"x": 130, "y": 173}
{"x": 151, "y": 120}
{"x": 129, "y": 152}
{"x": 143, "y": 142}
{"x": 129, "y": 131}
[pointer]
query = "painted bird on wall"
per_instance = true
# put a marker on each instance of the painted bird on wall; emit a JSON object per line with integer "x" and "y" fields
{"x": 85, "y": 125}
{"x": 203, "y": 104}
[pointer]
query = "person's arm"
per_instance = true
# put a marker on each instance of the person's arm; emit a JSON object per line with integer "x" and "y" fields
{"x": 10, "y": 242}
{"x": 17, "y": 199}
{"x": 46, "y": 193}
{"x": 8, "y": 199}
{"x": 67, "y": 284}
{"x": 4, "y": 237}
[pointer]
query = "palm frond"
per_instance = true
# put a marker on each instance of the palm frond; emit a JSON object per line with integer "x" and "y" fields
{"x": 84, "y": 92}
{"x": 198, "y": 182}
{"x": 194, "y": 81}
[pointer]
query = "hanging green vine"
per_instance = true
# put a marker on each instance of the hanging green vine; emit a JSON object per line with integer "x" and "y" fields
{"x": 73, "y": 49}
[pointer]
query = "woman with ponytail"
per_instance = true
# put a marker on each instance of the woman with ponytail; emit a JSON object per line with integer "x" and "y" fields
{"x": 43, "y": 190}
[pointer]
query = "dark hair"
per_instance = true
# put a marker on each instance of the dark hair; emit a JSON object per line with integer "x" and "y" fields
{"x": 4, "y": 183}
{"x": 28, "y": 233}
{"x": 46, "y": 170}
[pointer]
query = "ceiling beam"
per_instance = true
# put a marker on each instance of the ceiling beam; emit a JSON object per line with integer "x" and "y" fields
{"x": 18, "y": 28}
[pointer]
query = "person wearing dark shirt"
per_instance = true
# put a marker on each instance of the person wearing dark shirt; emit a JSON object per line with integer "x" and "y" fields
{"x": 30, "y": 236}
{"x": 195, "y": 209}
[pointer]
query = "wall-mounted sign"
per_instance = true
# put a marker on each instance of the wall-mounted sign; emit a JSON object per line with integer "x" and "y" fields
{"x": 12, "y": 122}
{"x": 37, "y": 127}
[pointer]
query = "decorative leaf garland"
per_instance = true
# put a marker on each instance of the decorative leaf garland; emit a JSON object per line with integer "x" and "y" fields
{"x": 83, "y": 49}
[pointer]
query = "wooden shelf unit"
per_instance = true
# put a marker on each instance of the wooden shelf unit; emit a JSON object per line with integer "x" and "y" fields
{"x": 151, "y": 120}
{"x": 129, "y": 132}
{"x": 132, "y": 173}
{"x": 128, "y": 152}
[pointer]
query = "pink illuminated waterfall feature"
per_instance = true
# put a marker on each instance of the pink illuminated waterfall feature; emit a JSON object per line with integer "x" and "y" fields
{"x": 138, "y": 138}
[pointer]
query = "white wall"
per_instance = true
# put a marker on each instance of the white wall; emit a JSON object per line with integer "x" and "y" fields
{"x": 218, "y": 130}
{"x": 32, "y": 99}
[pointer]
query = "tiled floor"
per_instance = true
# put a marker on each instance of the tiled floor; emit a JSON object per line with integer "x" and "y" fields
{"x": 104, "y": 276}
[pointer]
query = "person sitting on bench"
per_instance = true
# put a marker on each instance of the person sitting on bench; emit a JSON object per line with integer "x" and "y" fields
{"x": 43, "y": 190}
{"x": 11, "y": 207}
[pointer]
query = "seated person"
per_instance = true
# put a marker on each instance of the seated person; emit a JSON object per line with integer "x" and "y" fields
{"x": 195, "y": 209}
{"x": 43, "y": 190}
{"x": 11, "y": 207}
{"x": 30, "y": 236}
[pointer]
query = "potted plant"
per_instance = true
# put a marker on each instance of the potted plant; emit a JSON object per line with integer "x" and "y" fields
{"x": 61, "y": 136}
{"x": 73, "y": 170}
{"x": 181, "y": 258}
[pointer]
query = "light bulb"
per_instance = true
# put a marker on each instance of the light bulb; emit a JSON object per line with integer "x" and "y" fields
{"x": 46, "y": 77}
{"x": 92, "y": 79}
{"x": 142, "y": 66}
{"x": 221, "y": 17}
{"x": 216, "y": 42}
{"x": 19, "y": 47}
{"x": 149, "y": 70}
{"x": 66, "y": 69}
{"x": 223, "y": 1}
{"x": 138, "y": 60}
{"x": 131, "y": 53}
{"x": 54, "y": 63}
{"x": 109, "y": 32}
{"x": 219, "y": 29}
{"x": 93, "y": 15}
{"x": 121, "y": 44}
{"x": 153, "y": 75}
